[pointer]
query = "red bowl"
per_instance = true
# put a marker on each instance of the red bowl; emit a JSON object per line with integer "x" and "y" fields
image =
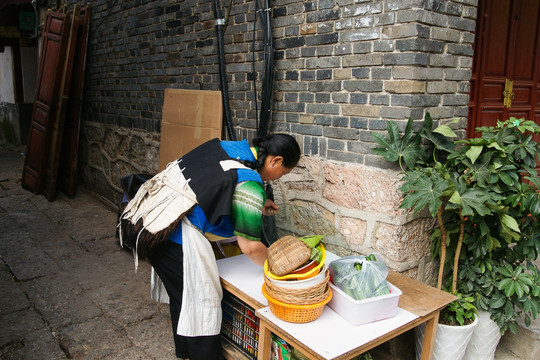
{"x": 304, "y": 269}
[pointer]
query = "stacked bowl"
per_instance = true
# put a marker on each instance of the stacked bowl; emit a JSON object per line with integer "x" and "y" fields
{"x": 296, "y": 287}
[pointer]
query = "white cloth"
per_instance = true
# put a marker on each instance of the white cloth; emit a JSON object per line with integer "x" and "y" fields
{"x": 201, "y": 298}
{"x": 160, "y": 201}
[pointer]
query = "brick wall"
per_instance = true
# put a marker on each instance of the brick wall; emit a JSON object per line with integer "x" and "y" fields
{"x": 343, "y": 68}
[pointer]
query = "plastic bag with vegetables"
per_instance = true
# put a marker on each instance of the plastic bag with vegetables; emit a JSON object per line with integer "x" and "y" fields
{"x": 360, "y": 277}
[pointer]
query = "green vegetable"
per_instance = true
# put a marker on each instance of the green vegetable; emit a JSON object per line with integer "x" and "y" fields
{"x": 360, "y": 277}
{"x": 312, "y": 240}
{"x": 316, "y": 254}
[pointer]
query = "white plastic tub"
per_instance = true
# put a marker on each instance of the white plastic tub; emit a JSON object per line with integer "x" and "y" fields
{"x": 359, "y": 312}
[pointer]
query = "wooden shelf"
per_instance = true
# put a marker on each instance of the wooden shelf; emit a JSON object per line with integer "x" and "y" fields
{"x": 231, "y": 352}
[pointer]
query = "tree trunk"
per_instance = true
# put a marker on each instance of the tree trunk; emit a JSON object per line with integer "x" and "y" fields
{"x": 442, "y": 254}
{"x": 458, "y": 252}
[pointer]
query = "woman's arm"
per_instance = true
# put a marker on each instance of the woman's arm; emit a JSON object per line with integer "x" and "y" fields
{"x": 256, "y": 251}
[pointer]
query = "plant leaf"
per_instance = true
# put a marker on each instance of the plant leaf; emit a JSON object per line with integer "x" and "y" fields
{"x": 474, "y": 152}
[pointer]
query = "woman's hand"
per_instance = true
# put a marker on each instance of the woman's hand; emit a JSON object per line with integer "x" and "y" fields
{"x": 270, "y": 208}
{"x": 255, "y": 250}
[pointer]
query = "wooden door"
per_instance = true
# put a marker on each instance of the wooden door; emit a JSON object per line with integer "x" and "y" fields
{"x": 68, "y": 157}
{"x": 506, "y": 63}
{"x": 45, "y": 102}
{"x": 57, "y": 135}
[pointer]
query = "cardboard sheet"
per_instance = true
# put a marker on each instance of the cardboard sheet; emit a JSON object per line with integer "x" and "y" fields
{"x": 190, "y": 118}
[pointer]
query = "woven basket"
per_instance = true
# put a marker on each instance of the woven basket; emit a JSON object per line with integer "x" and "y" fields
{"x": 305, "y": 296}
{"x": 287, "y": 254}
{"x": 306, "y": 275}
{"x": 295, "y": 313}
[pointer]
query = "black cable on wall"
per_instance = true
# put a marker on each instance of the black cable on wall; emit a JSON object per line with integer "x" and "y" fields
{"x": 219, "y": 22}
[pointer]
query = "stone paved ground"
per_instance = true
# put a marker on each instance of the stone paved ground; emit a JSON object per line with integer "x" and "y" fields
{"x": 68, "y": 291}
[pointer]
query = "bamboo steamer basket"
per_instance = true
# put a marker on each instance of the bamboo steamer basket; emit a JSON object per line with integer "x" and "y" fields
{"x": 287, "y": 254}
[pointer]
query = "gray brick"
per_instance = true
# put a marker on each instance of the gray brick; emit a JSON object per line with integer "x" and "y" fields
{"x": 420, "y": 45}
{"x": 464, "y": 87}
{"x": 362, "y": 60}
{"x": 443, "y": 60}
{"x": 361, "y": 73}
{"x": 340, "y": 133}
{"x": 307, "y": 75}
{"x": 308, "y": 51}
{"x": 325, "y": 28}
{"x": 379, "y": 99}
{"x": 461, "y": 24}
{"x": 306, "y": 129}
{"x": 324, "y": 51}
{"x": 406, "y": 30}
{"x": 439, "y": 87}
{"x": 457, "y": 99}
{"x": 291, "y": 107}
{"x": 322, "y": 109}
{"x": 359, "y": 147}
{"x": 359, "y": 98}
{"x": 340, "y": 98}
{"x": 307, "y": 97}
{"x": 342, "y": 49}
{"x": 359, "y": 35}
{"x": 322, "y": 39}
{"x": 460, "y": 49}
{"x": 324, "y": 86}
{"x": 383, "y": 45}
{"x": 324, "y": 74}
{"x": 392, "y": 113}
{"x": 362, "y": 47}
{"x": 363, "y": 85}
{"x": 340, "y": 121}
{"x": 323, "y": 120}
{"x": 458, "y": 74}
{"x": 291, "y": 97}
{"x": 344, "y": 156}
{"x": 343, "y": 24}
{"x": 422, "y": 16}
{"x": 462, "y": 111}
{"x": 359, "y": 10}
{"x": 323, "y": 15}
{"x": 322, "y": 97}
{"x": 413, "y": 73}
{"x": 326, "y": 4}
{"x": 381, "y": 73}
{"x": 359, "y": 123}
{"x": 405, "y": 59}
{"x": 336, "y": 144}
{"x": 323, "y": 63}
{"x": 445, "y": 34}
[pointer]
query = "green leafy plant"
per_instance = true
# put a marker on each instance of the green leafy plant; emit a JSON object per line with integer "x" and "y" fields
{"x": 459, "y": 312}
{"x": 484, "y": 193}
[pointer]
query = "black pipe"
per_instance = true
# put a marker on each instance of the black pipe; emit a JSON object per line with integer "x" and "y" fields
{"x": 268, "y": 69}
{"x": 219, "y": 22}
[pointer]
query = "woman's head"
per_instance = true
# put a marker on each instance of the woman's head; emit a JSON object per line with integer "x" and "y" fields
{"x": 277, "y": 154}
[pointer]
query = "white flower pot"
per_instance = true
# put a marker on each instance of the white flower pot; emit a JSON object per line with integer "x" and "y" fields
{"x": 450, "y": 341}
{"x": 484, "y": 340}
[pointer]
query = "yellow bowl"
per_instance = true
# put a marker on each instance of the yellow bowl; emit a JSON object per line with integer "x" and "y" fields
{"x": 295, "y": 313}
{"x": 306, "y": 275}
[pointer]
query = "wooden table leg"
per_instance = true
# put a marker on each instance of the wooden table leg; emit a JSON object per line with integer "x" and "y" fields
{"x": 429, "y": 337}
{"x": 264, "y": 341}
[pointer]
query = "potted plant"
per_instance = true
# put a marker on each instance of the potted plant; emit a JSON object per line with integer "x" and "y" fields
{"x": 479, "y": 222}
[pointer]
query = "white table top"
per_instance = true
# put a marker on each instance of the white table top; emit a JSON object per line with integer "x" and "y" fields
{"x": 330, "y": 335}
{"x": 243, "y": 274}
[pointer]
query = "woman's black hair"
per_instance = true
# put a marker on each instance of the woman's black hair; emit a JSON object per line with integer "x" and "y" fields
{"x": 278, "y": 145}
